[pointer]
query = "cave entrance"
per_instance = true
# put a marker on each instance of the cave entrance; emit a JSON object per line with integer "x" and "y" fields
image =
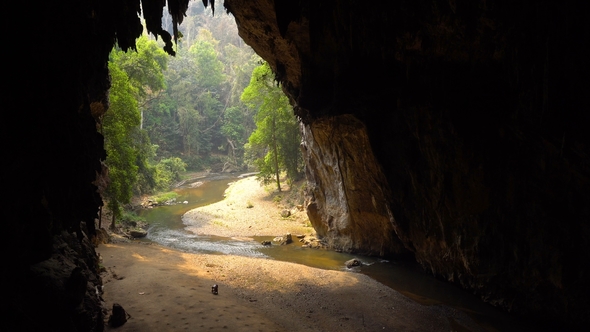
{"x": 179, "y": 226}
{"x": 214, "y": 107}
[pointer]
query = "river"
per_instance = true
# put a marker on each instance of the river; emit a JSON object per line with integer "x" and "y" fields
{"x": 166, "y": 228}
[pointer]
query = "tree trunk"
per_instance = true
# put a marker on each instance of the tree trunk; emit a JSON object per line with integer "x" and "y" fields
{"x": 113, "y": 222}
{"x": 233, "y": 150}
{"x": 276, "y": 152}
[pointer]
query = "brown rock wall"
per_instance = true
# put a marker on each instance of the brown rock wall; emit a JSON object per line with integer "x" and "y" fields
{"x": 348, "y": 193}
{"x": 472, "y": 110}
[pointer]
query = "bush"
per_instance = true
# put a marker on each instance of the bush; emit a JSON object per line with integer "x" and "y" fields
{"x": 277, "y": 199}
{"x": 168, "y": 171}
{"x": 165, "y": 197}
{"x": 131, "y": 216}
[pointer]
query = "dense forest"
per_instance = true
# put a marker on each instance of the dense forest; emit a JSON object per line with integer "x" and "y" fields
{"x": 214, "y": 106}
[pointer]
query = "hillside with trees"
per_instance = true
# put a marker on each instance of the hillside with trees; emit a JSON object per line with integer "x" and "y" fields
{"x": 215, "y": 106}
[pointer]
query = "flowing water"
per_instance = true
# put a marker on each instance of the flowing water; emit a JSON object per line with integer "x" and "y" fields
{"x": 166, "y": 228}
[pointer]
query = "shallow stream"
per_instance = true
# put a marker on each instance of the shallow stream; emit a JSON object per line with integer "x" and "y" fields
{"x": 166, "y": 228}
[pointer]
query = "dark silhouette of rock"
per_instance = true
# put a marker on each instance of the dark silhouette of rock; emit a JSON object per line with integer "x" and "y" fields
{"x": 118, "y": 316}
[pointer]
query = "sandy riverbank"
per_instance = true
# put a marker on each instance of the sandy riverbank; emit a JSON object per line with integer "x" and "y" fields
{"x": 167, "y": 290}
{"x": 248, "y": 209}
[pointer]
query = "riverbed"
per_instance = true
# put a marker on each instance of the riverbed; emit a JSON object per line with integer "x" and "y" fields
{"x": 168, "y": 229}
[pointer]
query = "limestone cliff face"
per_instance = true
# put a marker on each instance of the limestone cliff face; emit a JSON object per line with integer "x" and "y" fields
{"x": 467, "y": 118}
{"x": 348, "y": 194}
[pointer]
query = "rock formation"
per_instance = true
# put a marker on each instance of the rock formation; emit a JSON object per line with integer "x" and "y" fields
{"x": 452, "y": 131}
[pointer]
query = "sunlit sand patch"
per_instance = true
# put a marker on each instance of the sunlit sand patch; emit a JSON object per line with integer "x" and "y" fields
{"x": 241, "y": 238}
{"x": 139, "y": 257}
{"x": 111, "y": 245}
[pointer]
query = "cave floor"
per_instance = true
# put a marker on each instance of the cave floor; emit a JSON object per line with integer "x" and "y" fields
{"x": 162, "y": 289}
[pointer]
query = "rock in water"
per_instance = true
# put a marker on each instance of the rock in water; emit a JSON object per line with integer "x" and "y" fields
{"x": 285, "y": 239}
{"x": 352, "y": 263}
{"x": 138, "y": 233}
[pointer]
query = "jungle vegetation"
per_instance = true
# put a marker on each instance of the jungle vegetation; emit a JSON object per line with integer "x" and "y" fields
{"x": 214, "y": 106}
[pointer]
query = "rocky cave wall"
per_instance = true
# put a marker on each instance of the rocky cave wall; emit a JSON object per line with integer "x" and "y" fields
{"x": 451, "y": 130}
{"x": 455, "y": 127}
{"x": 55, "y": 93}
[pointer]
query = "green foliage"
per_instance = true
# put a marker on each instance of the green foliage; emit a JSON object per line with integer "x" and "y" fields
{"x": 131, "y": 216}
{"x": 197, "y": 116}
{"x": 274, "y": 145}
{"x": 209, "y": 69}
{"x": 168, "y": 171}
{"x": 119, "y": 125}
{"x": 146, "y": 172}
{"x": 233, "y": 129}
{"x": 277, "y": 199}
{"x": 144, "y": 67}
{"x": 165, "y": 197}
{"x": 196, "y": 81}
{"x": 135, "y": 75}
{"x": 190, "y": 104}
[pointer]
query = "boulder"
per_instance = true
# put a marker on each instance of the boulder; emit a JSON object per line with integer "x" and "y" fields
{"x": 352, "y": 263}
{"x": 285, "y": 239}
{"x": 138, "y": 233}
{"x": 102, "y": 236}
{"x": 118, "y": 316}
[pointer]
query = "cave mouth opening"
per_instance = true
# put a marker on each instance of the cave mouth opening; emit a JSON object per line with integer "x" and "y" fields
{"x": 199, "y": 27}
{"x": 531, "y": 194}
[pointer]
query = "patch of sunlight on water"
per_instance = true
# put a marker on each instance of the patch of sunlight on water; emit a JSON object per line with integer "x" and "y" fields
{"x": 189, "y": 242}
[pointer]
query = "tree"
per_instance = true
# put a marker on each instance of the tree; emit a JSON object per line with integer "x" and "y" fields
{"x": 196, "y": 82}
{"x": 196, "y": 115}
{"x": 189, "y": 119}
{"x": 275, "y": 142}
{"x": 168, "y": 171}
{"x": 118, "y": 125}
{"x": 136, "y": 77}
{"x": 209, "y": 69}
{"x": 233, "y": 130}
{"x": 145, "y": 68}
